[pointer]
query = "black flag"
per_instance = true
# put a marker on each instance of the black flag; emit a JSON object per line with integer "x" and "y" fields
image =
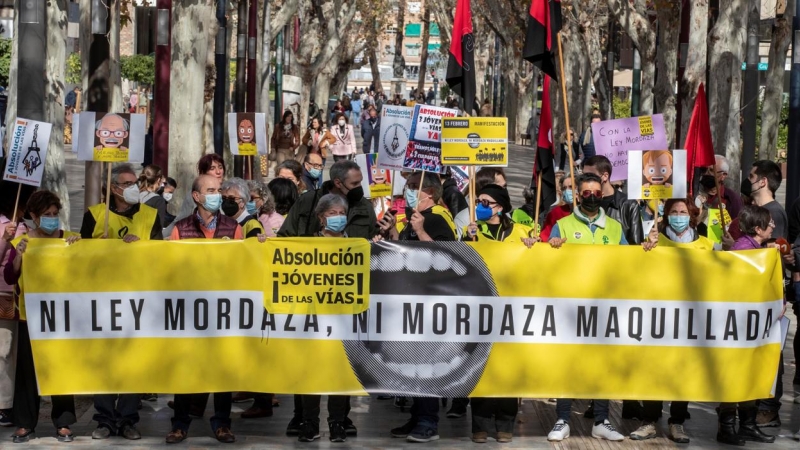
{"x": 461, "y": 64}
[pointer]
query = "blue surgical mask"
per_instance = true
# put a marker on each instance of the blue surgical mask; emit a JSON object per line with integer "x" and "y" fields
{"x": 335, "y": 224}
{"x": 251, "y": 207}
{"x": 679, "y": 223}
{"x": 661, "y": 209}
{"x": 315, "y": 173}
{"x": 412, "y": 198}
{"x": 49, "y": 224}
{"x": 483, "y": 213}
{"x": 213, "y": 202}
{"x": 566, "y": 194}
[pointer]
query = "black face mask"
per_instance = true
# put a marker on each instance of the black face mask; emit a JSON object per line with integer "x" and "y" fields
{"x": 230, "y": 208}
{"x": 591, "y": 204}
{"x": 747, "y": 188}
{"x": 355, "y": 195}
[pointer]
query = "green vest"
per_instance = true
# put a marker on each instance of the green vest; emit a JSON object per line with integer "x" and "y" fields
{"x": 521, "y": 217}
{"x": 578, "y": 232}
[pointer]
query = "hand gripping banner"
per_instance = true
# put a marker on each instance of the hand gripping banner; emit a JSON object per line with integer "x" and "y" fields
{"x": 439, "y": 319}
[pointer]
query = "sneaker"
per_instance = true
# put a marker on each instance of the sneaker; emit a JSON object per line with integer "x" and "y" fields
{"x": 422, "y": 433}
{"x": 350, "y": 427}
{"x": 678, "y": 434}
{"x": 404, "y": 430}
{"x": 294, "y": 427}
{"x": 644, "y": 432}
{"x": 337, "y": 432}
{"x": 309, "y": 432}
{"x": 5, "y": 418}
{"x": 130, "y": 432}
{"x": 481, "y": 437}
{"x": 101, "y": 432}
{"x": 456, "y": 411}
{"x": 768, "y": 419}
{"x": 605, "y": 430}
{"x": 559, "y": 432}
{"x": 504, "y": 438}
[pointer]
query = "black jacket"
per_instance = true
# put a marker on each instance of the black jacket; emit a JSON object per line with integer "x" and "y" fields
{"x": 626, "y": 212}
{"x": 453, "y": 198}
{"x": 301, "y": 220}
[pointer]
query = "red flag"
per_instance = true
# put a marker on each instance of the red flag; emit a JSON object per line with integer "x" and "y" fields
{"x": 544, "y": 23}
{"x": 545, "y": 150}
{"x": 461, "y": 63}
{"x": 698, "y": 145}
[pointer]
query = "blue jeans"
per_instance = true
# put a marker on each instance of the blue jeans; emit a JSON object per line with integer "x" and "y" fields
{"x": 222, "y": 411}
{"x": 564, "y": 407}
{"x": 426, "y": 411}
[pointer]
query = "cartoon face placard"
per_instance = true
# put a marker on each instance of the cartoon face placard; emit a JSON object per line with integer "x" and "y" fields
{"x": 111, "y": 137}
{"x": 247, "y": 133}
{"x": 378, "y": 182}
{"x": 657, "y": 174}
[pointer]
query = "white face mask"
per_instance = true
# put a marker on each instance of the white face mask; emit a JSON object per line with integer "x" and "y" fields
{"x": 342, "y": 123}
{"x": 167, "y": 196}
{"x": 131, "y": 194}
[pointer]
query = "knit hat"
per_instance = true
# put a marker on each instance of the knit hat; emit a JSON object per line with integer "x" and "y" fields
{"x": 499, "y": 194}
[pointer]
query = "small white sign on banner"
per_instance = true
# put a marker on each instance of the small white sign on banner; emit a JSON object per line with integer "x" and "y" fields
{"x": 27, "y": 152}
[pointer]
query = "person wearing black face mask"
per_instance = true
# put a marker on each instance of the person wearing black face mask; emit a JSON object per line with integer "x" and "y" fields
{"x": 345, "y": 180}
{"x": 235, "y": 195}
{"x": 588, "y": 224}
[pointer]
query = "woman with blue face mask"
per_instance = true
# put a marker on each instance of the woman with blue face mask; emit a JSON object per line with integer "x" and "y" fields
{"x": 491, "y": 211}
{"x": 679, "y": 226}
{"x": 559, "y": 211}
{"x": 43, "y": 207}
{"x": 331, "y": 211}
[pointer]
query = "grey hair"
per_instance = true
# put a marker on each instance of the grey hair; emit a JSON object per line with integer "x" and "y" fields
{"x": 239, "y": 185}
{"x": 340, "y": 169}
{"x": 99, "y": 123}
{"x": 328, "y": 201}
{"x": 269, "y": 202}
{"x": 723, "y": 163}
{"x": 120, "y": 169}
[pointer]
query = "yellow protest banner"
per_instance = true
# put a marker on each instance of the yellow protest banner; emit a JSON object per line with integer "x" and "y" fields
{"x": 330, "y": 277}
{"x": 445, "y": 319}
{"x": 475, "y": 141}
{"x": 108, "y": 154}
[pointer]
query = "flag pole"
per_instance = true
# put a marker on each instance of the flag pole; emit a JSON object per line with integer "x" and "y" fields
{"x": 16, "y": 204}
{"x": 566, "y": 119}
{"x": 538, "y": 201}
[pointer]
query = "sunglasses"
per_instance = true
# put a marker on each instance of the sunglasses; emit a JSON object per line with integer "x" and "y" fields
{"x": 587, "y": 193}
{"x": 486, "y": 203}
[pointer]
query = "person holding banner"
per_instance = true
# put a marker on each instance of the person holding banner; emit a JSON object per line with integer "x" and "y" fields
{"x": 43, "y": 207}
{"x": 235, "y": 197}
{"x": 331, "y": 210}
{"x": 492, "y": 212}
{"x": 128, "y": 219}
{"x": 205, "y": 222}
{"x": 262, "y": 205}
{"x": 590, "y": 225}
{"x": 680, "y": 226}
{"x": 344, "y": 146}
{"x": 560, "y": 211}
{"x": 615, "y": 203}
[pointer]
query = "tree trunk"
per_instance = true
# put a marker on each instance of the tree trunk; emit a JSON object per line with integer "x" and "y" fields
{"x": 423, "y": 58}
{"x": 726, "y": 43}
{"x": 375, "y": 69}
{"x": 573, "y": 70}
{"x": 115, "y": 75}
{"x": 632, "y": 17}
{"x": 210, "y": 86}
{"x": 399, "y": 63}
{"x": 264, "y": 64}
{"x": 669, "y": 28}
{"x": 696, "y": 63}
{"x": 188, "y": 69}
{"x": 773, "y": 95}
{"x": 590, "y": 24}
{"x": 55, "y": 171}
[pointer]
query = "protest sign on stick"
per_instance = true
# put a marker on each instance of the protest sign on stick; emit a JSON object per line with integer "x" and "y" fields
{"x": 657, "y": 174}
{"x": 614, "y": 138}
{"x": 26, "y": 156}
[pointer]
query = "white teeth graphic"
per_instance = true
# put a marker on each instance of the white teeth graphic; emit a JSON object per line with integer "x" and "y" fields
{"x": 440, "y": 369}
{"x": 419, "y": 261}
{"x": 407, "y": 370}
{"x": 425, "y": 371}
{"x": 378, "y": 357}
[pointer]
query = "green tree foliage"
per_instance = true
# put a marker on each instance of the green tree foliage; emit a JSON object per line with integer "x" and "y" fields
{"x": 72, "y": 73}
{"x": 622, "y": 108}
{"x": 5, "y": 61}
{"x": 139, "y": 68}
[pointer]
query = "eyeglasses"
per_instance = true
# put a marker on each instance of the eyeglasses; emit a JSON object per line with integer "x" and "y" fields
{"x": 722, "y": 172}
{"x": 235, "y": 199}
{"x": 587, "y": 193}
{"x": 254, "y": 198}
{"x": 315, "y": 166}
{"x": 486, "y": 203}
{"x": 109, "y": 133}
{"x": 126, "y": 184}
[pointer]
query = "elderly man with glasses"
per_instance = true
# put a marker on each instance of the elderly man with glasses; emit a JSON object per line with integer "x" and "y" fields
{"x": 312, "y": 171}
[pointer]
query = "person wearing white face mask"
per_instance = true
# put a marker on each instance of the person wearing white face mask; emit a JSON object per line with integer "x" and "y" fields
{"x": 128, "y": 219}
{"x": 345, "y": 145}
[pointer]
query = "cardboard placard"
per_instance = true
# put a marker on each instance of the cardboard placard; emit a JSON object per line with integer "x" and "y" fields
{"x": 474, "y": 141}
{"x": 113, "y": 137}
{"x": 395, "y": 133}
{"x": 247, "y": 133}
{"x": 614, "y": 138}
{"x": 657, "y": 174}
{"x": 424, "y": 151}
{"x": 377, "y": 182}
{"x": 27, "y": 152}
